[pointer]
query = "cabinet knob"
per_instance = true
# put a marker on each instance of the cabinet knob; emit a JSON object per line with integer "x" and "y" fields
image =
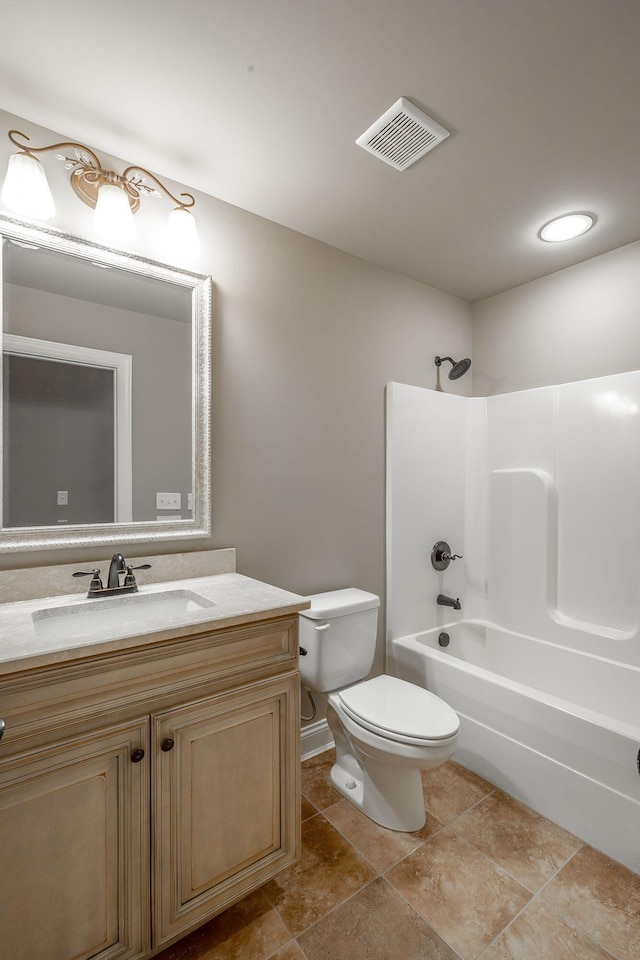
{"x": 2, "y": 727}
{"x": 167, "y": 744}
{"x": 137, "y": 755}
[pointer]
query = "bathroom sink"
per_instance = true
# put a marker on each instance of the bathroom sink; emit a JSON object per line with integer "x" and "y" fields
{"x": 138, "y": 611}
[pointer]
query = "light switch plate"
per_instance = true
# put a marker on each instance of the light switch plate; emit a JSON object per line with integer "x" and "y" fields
{"x": 168, "y": 501}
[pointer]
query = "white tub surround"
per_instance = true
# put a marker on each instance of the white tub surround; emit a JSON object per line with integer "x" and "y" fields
{"x": 538, "y": 491}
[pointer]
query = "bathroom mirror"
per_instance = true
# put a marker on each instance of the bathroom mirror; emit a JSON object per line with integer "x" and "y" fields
{"x": 105, "y": 394}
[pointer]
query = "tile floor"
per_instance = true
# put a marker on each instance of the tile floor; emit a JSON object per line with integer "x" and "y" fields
{"x": 486, "y": 877}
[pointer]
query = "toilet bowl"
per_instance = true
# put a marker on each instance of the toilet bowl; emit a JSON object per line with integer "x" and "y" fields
{"x": 386, "y": 730}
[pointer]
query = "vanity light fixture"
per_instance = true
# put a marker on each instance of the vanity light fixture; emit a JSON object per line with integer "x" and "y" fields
{"x": 115, "y": 197}
{"x": 566, "y": 227}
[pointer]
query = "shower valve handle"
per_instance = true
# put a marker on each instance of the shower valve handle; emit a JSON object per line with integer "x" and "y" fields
{"x": 441, "y": 555}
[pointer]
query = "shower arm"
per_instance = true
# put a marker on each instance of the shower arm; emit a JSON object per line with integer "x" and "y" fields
{"x": 458, "y": 367}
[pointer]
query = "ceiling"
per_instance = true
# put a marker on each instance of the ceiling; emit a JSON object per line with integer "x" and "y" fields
{"x": 260, "y": 104}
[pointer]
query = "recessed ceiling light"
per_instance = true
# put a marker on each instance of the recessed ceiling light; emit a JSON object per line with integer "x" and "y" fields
{"x": 566, "y": 228}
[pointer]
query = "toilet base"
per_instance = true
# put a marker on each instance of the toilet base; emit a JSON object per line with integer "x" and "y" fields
{"x": 391, "y": 796}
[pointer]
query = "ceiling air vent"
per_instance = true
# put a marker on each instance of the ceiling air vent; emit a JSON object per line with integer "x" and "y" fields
{"x": 402, "y": 135}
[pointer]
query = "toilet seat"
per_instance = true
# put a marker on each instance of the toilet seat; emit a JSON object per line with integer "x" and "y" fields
{"x": 400, "y": 711}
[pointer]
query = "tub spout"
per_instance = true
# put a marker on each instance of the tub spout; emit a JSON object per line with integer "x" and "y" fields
{"x": 443, "y": 601}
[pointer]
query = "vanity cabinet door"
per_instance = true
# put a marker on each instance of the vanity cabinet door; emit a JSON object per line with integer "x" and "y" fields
{"x": 74, "y": 849}
{"x": 226, "y": 800}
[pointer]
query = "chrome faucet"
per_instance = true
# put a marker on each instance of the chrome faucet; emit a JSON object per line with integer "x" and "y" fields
{"x": 114, "y": 587}
{"x": 443, "y": 601}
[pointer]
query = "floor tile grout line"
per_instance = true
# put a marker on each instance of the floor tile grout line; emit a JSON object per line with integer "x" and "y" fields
{"x": 494, "y": 864}
{"x": 353, "y": 845}
{"x": 303, "y": 796}
{"x": 329, "y": 912}
{"x": 304, "y": 954}
{"x": 573, "y": 923}
{"x": 278, "y": 949}
{"x": 576, "y": 926}
{"x": 463, "y": 813}
{"x": 332, "y": 910}
{"x": 281, "y": 947}
{"x": 509, "y": 874}
{"x": 528, "y": 808}
{"x": 534, "y": 897}
{"x": 537, "y": 896}
{"x": 419, "y": 915}
{"x": 395, "y": 863}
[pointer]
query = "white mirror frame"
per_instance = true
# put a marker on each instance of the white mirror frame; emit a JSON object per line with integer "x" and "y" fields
{"x": 78, "y": 535}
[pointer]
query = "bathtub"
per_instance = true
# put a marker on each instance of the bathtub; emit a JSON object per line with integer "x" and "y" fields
{"x": 556, "y": 728}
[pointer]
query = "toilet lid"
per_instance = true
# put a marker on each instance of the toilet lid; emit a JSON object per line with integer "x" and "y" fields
{"x": 399, "y": 710}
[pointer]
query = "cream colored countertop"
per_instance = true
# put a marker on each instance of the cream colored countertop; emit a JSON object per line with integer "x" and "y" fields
{"x": 237, "y": 599}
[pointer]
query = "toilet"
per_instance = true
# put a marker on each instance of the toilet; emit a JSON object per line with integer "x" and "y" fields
{"x": 385, "y": 730}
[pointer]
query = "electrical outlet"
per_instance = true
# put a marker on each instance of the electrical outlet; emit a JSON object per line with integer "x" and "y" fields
{"x": 63, "y": 498}
{"x": 168, "y": 501}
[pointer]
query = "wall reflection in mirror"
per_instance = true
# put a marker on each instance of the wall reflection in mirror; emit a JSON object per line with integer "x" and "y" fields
{"x": 99, "y": 392}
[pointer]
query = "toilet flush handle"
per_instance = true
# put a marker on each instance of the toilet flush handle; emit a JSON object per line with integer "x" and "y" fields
{"x": 323, "y": 626}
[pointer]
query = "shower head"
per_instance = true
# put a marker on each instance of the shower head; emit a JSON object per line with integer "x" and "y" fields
{"x": 458, "y": 368}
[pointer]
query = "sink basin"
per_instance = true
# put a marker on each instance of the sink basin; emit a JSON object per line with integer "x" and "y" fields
{"x": 138, "y": 611}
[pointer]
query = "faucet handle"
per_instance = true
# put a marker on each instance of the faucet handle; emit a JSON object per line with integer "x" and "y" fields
{"x": 130, "y": 580}
{"x": 96, "y": 582}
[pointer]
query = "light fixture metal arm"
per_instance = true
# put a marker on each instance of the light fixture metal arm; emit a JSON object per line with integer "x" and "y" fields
{"x": 189, "y": 202}
{"x": 27, "y": 148}
{"x": 114, "y": 196}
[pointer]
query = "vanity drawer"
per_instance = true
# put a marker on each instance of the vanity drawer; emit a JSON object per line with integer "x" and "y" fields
{"x": 42, "y": 704}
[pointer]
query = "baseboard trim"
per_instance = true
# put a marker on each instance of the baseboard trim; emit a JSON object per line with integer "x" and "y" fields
{"x": 315, "y": 738}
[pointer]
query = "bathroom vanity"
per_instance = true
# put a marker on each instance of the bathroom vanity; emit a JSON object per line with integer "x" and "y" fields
{"x": 149, "y": 773}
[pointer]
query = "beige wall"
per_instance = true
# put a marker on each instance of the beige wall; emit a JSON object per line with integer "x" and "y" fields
{"x": 305, "y": 339}
{"x": 579, "y": 323}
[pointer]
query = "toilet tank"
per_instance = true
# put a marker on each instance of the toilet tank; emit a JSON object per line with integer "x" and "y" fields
{"x": 338, "y": 635}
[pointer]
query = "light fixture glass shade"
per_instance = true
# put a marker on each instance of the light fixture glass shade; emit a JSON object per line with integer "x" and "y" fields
{"x": 567, "y": 227}
{"x": 113, "y": 217}
{"x": 181, "y": 235}
{"x": 26, "y": 190}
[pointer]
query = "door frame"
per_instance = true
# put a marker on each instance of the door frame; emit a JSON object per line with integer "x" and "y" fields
{"x": 120, "y": 364}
